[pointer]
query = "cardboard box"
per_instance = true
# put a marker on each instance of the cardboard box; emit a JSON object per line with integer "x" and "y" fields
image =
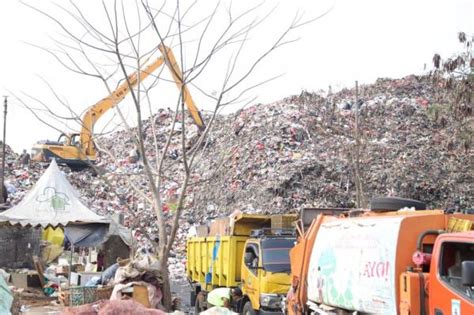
{"x": 74, "y": 278}
{"x": 202, "y": 230}
{"x": 220, "y": 226}
{"x": 283, "y": 221}
{"x": 26, "y": 280}
{"x": 139, "y": 293}
{"x": 84, "y": 277}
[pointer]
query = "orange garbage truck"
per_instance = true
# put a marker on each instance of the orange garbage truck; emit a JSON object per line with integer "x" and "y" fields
{"x": 383, "y": 261}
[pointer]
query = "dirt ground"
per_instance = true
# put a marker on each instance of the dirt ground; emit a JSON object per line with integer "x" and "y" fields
{"x": 182, "y": 289}
{"x": 33, "y": 302}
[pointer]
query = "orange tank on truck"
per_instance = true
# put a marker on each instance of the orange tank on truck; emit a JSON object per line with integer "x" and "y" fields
{"x": 383, "y": 261}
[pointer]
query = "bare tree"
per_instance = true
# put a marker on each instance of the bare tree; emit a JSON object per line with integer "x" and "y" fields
{"x": 455, "y": 78}
{"x": 132, "y": 34}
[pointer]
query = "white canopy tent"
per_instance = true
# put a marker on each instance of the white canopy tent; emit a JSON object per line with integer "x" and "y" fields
{"x": 51, "y": 202}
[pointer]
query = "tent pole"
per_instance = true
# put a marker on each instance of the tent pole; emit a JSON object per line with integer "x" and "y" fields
{"x": 2, "y": 174}
{"x": 69, "y": 278}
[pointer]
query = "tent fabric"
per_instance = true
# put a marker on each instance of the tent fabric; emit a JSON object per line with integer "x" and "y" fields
{"x": 120, "y": 230}
{"x": 51, "y": 202}
{"x": 54, "y": 236}
{"x": 87, "y": 235}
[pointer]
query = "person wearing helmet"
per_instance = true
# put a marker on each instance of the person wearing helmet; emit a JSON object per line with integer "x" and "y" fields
{"x": 224, "y": 297}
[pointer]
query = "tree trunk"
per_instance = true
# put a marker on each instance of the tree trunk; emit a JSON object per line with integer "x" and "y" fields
{"x": 167, "y": 301}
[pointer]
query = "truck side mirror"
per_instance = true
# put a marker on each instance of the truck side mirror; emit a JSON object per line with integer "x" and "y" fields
{"x": 467, "y": 272}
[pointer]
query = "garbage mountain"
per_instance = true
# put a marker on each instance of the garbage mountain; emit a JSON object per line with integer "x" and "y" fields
{"x": 293, "y": 153}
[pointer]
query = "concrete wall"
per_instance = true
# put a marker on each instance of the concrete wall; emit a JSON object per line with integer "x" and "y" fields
{"x": 18, "y": 246}
{"x": 113, "y": 249}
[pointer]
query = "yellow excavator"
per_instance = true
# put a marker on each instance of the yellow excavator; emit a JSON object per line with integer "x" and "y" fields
{"x": 78, "y": 150}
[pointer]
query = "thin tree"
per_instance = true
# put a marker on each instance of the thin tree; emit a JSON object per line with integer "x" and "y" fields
{"x": 360, "y": 199}
{"x": 130, "y": 38}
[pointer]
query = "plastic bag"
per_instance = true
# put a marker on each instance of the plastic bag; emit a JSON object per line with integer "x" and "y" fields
{"x": 146, "y": 262}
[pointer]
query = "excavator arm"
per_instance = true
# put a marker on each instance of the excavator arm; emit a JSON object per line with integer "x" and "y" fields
{"x": 178, "y": 79}
{"x": 97, "y": 110}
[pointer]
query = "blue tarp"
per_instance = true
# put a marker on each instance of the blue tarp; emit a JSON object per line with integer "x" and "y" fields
{"x": 94, "y": 234}
{"x": 86, "y": 235}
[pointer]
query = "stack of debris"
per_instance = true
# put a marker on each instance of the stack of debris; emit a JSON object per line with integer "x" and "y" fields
{"x": 299, "y": 152}
{"x": 277, "y": 158}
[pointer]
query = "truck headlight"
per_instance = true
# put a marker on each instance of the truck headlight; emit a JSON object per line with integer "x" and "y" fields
{"x": 270, "y": 300}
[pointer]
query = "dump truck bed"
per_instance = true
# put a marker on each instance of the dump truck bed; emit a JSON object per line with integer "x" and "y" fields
{"x": 215, "y": 261}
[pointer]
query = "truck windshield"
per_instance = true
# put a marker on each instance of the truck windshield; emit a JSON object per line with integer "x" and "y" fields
{"x": 276, "y": 257}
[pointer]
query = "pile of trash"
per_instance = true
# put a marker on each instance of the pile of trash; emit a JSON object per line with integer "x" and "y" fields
{"x": 143, "y": 272}
{"x": 113, "y": 307}
{"x": 139, "y": 279}
{"x": 300, "y": 152}
{"x": 277, "y": 158}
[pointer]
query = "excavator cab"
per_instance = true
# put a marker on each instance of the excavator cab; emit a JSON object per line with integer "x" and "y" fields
{"x": 73, "y": 139}
{"x": 64, "y": 139}
{"x": 65, "y": 151}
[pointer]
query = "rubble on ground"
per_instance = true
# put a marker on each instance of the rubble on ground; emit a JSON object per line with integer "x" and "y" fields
{"x": 280, "y": 157}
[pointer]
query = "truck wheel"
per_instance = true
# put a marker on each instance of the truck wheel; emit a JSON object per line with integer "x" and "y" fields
{"x": 394, "y": 203}
{"x": 248, "y": 310}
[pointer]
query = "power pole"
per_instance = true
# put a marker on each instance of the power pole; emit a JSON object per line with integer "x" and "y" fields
{"x": 358, "y": 180}
{"x": 2, "y": 173}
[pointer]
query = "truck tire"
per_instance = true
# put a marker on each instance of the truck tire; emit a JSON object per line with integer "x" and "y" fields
{"x": 248, "y": 310}
{"x": 394, "y": 203}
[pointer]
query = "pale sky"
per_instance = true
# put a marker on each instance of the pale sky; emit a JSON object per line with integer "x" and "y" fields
{"x": 358, "y": 40}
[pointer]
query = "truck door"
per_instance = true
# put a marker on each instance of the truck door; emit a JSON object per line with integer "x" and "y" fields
{"x": 250, "y": 273}
{"x": 447, "y": 295}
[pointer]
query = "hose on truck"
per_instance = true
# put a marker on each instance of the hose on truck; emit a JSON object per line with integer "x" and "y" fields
{"x": 421, "y": 237}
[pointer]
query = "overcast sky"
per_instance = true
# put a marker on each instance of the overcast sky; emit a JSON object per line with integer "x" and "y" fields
{"x": 358, "y": 40}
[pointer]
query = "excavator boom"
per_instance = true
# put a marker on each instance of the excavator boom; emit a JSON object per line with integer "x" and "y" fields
{"x": 77, "y": 154}
{"x": 96, "y": 111}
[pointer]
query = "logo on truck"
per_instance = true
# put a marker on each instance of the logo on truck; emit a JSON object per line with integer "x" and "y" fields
{"x": 376, "y": 269}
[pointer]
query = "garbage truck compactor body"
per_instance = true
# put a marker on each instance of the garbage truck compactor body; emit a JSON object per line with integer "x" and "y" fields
{"x": 415, "y": 262}
{"x": 252, "y": 256}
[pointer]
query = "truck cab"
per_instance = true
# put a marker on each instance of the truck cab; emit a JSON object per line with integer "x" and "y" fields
{"x": 265, "y": 272}
{"x": 452, "y": 275}
{"x": 448, "y": 277}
